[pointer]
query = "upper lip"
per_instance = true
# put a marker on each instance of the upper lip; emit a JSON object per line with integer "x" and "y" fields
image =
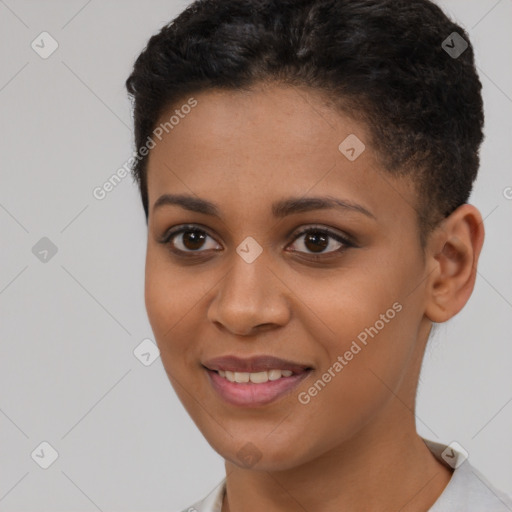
{"x": 253, "y": 364}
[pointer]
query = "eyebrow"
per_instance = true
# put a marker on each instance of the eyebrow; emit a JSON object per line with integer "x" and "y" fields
{"x": 280, "y": 209}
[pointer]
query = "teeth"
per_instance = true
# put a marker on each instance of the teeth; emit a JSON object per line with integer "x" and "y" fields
{"x": 274, "y": 374}
{"x": 241, "y": 377}
{"x": 256, "y": 378}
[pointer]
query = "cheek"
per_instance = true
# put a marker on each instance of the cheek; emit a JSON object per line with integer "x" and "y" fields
{"x": 354, "y": 306}
{"x": 171, "y": 296}
{"x": 366, "y": 336}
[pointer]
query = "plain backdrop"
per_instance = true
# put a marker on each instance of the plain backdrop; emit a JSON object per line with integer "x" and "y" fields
{"x": 70, "y": 324}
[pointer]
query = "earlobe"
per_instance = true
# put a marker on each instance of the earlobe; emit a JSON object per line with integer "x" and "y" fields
{"x": 452, "y": 278}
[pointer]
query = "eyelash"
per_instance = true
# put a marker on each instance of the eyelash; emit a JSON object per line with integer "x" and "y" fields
{"x": 347, "y": 243}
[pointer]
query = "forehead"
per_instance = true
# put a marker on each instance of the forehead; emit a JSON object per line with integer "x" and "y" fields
{"x": 254, "y": 147}
{"x": 284, "y": 117}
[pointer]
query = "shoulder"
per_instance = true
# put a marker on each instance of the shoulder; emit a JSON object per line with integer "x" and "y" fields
{"x": 470, "y": 491}
{"x": 467, "y": 489}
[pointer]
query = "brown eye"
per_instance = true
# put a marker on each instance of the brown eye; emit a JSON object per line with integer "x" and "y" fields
{"x": 316, "y": 241}
{"x": 192, "y": 239}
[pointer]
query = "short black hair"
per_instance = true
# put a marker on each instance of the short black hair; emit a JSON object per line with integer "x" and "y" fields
{"x": 385, "y": 62}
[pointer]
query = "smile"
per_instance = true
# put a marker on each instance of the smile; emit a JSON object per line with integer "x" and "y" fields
{"x": 254, "y": 389}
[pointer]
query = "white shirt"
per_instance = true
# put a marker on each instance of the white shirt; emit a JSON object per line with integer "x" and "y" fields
{"x": 467, "y": 490}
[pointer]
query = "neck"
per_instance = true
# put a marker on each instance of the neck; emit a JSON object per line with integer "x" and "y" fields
{"x": 391, "y": 471}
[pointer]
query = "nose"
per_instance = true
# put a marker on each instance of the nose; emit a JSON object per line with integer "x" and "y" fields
{"x": 249, "y": 299}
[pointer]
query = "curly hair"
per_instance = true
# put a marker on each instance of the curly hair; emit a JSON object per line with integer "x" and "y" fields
{"x": 379, "y": 61}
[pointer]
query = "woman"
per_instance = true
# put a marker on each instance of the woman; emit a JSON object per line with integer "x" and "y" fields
{"x": 304, "y": 168}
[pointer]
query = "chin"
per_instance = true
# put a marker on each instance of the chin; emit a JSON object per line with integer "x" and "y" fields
{"x": 258, "y": 453}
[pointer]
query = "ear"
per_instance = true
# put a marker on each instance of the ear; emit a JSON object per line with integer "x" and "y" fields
{"x": 452, "y": 258}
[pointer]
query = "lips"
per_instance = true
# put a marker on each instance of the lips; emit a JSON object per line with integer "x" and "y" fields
{"x": 255, "y": 381}
{"x": 254, "y": 364}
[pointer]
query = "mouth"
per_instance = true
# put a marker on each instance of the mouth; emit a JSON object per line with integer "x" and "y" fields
{"x": 255, "y": 381}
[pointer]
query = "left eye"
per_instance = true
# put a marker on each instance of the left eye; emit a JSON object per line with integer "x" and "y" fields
{"x": 317, "y": 240}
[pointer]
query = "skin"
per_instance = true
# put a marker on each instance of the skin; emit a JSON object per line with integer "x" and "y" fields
{"x": 354, "y": 446}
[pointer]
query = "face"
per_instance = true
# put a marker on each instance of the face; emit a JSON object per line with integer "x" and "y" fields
{"x": 342, "y": 304}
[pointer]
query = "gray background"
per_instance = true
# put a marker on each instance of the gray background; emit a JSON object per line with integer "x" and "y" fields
{"x": 68, "y": 328}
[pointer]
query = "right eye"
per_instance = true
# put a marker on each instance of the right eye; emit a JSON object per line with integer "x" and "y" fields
{"x": 192, "y": 239}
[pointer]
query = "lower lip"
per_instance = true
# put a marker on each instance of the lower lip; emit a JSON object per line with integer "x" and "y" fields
{"x": 252, "y": 395}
